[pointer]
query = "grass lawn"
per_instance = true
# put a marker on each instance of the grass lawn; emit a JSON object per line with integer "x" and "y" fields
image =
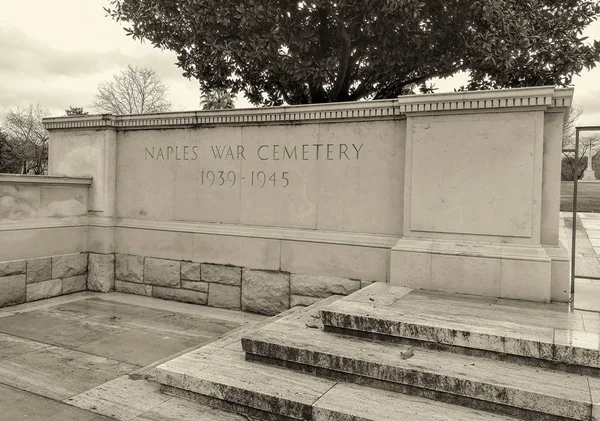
{"x": 588, "y": 197}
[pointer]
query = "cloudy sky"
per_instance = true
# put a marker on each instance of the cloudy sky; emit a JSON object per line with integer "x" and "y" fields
{"x": 56, "y": 52}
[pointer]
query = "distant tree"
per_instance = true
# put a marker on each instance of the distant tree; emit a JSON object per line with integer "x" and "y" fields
{"x": 27, "y": 138}
{"x": 75, "y": 111}
{"x": 135, "y": 90}
{"x": 9, "y": 158}
{"x": 570, "y": 166}
{"x": 299, "y": 52}
{"x": 218, "y": 99}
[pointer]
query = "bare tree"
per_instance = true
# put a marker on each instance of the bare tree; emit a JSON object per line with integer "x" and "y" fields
{"x": 134, "y": 90}
{"x": 569, "y": 166}
{"x": 27, "y": 139}
{"x": 219, "y": 99}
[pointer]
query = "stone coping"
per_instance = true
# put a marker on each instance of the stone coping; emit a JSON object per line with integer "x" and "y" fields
{"x": 389, "y": 109}
{"x": 55, "y": 180}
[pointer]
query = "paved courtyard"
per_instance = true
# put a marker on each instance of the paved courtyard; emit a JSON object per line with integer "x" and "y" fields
{"x": 88, "y": 356}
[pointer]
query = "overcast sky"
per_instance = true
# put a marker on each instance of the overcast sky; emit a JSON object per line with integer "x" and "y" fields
{"x": 56, "y": 52}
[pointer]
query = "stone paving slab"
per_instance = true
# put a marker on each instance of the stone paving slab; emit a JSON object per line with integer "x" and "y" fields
{"x": 17, "y": 404}
{"x": 58, "y": 373}
{"x": 347, "y": 402}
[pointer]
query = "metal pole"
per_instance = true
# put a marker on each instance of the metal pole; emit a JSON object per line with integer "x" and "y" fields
{"x": 574, "y": 225}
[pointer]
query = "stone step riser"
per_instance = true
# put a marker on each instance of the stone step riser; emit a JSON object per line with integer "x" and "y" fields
{"x": 472, "y": 394}
{"x": 255, "y": 414}
{"x": 530, "y": 352}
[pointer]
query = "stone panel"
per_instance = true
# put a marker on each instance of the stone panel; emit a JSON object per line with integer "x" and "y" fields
{"x": 221, "y": 274}
{"x": 162, "y": 272}
{"x": 133, "y": 288}
{"x": 12, "y": 290}
{"x": 59, "y": 201}
{"x": 129, "y": 268}
{"x": 14, "y": 267}
{"x": 257, "y": 253}
{"x": 322, "y": 286}
{"x": 41, "y": 242}
{"x": 74, "y": 284}
{"x": 190, "y": 271}
{"x": 195, "y": 285}
{"x": 265, "y": 292}
{"x": 39, "y": 270}
{"x": 69, "y": 265}
{"x": 177, "y": 294}
{"x": 101, "y": 272}
{"x": 45, "y": 289}
{"x": 224, "y": 296}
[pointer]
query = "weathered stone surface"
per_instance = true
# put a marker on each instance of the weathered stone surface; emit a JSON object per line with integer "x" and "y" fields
{"x": 195, "y": 285}
{"x": 176, "y": 294}
{"x": 39, "y": 270}
{"x": 222, "y": 274}
{"x": 45, "y": 289}
{"x": 162, "y": 272}
{"x": 69, "y": 265}
{"x": 74, "y": 284}
{"x": 322, "y": 286}
{"x": 133, "y": 288}
{"x": 364, "y": 284}
{"x": 12, "y": 290}
{"x": 101, "y": 272}
{"x": 15, "y": 267}
{"x": 224, "y": 296}
{"x": 301, "y": 300}
{"x": 129, "y": 268}
{"x": 265, "y": 292}
{"x": 190, "y": 271}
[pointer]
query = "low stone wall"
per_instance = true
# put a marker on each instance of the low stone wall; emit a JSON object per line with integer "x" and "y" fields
{"x": 224, "y": 286}
{"x": 34, "y": 279}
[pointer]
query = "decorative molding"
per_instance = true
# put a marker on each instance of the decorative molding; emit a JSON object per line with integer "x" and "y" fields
{"x": 54, "y": 180}
{"x": 390, "y": 109}
{"x": 42, "y": 223}
{"x": 291, "y": 234}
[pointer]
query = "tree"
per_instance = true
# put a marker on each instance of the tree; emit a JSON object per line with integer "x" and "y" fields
{"x": 9, "y": 159}
{"x": 134, "y": 90}
{"x": 27, "y": 138}
{"x": 318, "y": 51}
{"x": 569, "y": 165}
{"x": 75, "y": 111}
{"x": 217, "y": 100}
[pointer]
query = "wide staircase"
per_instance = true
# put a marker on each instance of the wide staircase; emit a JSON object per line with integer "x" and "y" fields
{"x": 391, "y": 354}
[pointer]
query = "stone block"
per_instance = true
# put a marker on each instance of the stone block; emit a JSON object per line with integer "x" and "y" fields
{"x": 190, "y": 271}
{"x": 74, "y": 284}
{"x": 14, "y": 267}
{"x": 133, "y": 288}
{"x": 12, "y": 290}
{"x": 195, "y": 285}
{"x": 69, "y": 265}
{"x": 45, "y": 289}
{"x": 39, "y": 270}
{"x": 129, "y": 268}
{"x": 364, "y": 284}
{"x": 300, "y": 300}
{"x": 101, "y": 272}
{"x": 322, "y": 286}
{"x": 265, "y": 292}
{"x": 177, "y": 294}
{"x": 221, "y": 274}
{"x": 162, "y": 272}
{"x": 224, "y": 296}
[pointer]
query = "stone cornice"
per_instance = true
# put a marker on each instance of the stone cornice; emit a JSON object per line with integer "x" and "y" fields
{"x": 45, "y": 180}
{"x": 392, "y": 109}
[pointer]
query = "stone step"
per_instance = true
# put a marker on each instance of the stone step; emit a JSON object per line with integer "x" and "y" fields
{"x": 481, "y": 383}
{"x": 222, "y": 378}
{"x": 542, "y": 335}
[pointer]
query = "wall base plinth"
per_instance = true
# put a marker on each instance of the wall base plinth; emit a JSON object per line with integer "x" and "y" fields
{"x": 522, "y": 272}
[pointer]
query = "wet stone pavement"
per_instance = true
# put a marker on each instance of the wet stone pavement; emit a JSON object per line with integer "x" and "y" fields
{"x": 89, "y": 357}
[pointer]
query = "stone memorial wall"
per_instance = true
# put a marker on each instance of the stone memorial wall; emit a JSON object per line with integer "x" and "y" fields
{"x": 263, "y": 209}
